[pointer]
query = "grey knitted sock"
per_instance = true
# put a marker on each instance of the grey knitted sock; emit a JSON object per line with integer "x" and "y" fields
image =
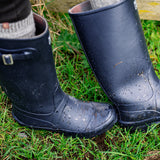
{"x": 102, "y": 3}
{"x": 18, "y": 30}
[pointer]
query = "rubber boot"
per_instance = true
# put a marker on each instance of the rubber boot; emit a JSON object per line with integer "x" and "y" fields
{"x": 27, "y": 75}
{"x": 114, "y": 43}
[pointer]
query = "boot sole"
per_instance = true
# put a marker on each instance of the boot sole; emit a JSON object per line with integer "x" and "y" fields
{"x": 140, "y": 125}
{"x": 113, "y": 119}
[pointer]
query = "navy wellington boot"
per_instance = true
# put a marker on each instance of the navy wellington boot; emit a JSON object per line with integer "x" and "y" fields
{"x": 114, "y": 43}
{"x": 28, "y": 76}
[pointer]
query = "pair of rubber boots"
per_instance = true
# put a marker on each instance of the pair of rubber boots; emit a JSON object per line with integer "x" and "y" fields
{"x": 114, "y": 44}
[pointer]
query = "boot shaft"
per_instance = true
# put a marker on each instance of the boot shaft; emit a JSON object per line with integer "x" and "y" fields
{"x": 27, "y": 71}
{"x": 114, "y": 43}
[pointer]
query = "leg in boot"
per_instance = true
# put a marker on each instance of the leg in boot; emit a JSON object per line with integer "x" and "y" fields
{"x": 16, "y": 19}
{"x": 102, "y": 3}
{"x": 114, "y": 44}
{"x": 28, "y": 76}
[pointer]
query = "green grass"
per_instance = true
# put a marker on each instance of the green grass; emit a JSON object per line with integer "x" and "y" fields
{"x": 77, "y": 79}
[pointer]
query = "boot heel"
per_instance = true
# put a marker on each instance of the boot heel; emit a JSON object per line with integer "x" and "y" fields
{"x": 32, "y": 122}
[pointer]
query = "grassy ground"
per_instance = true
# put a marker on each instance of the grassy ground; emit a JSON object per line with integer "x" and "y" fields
{"x": 77, "y": 79}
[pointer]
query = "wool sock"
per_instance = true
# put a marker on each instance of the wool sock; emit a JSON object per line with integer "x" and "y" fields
{"x": 102, "y": 3}
{"x": 18, "y": 30}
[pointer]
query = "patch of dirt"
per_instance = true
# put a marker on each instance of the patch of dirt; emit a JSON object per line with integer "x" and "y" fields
{"x": 100, "y": 140}
{"x": 153, "y": 155}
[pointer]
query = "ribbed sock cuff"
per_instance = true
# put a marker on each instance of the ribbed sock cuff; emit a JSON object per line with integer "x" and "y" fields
{"x": 18, "y": 30}
{"x": 102, "y": 3}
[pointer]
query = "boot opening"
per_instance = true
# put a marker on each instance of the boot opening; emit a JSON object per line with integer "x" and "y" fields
{"x": 82, "y": 7}
{"x": 40, "y": 24}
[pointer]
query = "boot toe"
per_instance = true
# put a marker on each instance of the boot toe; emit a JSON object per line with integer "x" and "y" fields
{"x": 87, "y": 118}
{"x": 103, "y": 118}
